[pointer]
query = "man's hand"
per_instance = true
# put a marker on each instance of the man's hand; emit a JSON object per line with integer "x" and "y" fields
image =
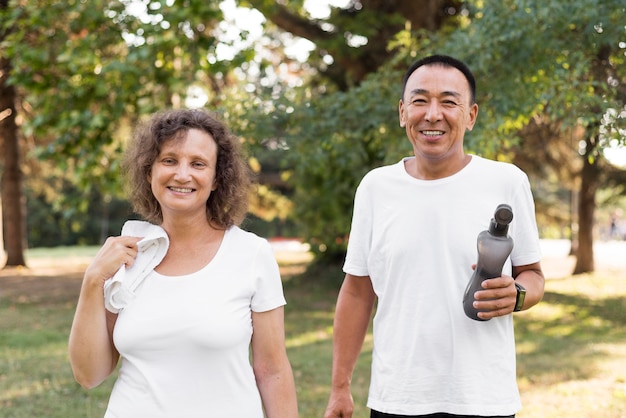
{"x": 497, "y": 297}
{"x": 340, "y": 404}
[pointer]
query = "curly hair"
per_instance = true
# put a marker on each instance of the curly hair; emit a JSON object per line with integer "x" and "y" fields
{"x": 227, "y": 205}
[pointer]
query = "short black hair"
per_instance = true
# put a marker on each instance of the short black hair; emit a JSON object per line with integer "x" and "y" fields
{"x": 444, "y": 61}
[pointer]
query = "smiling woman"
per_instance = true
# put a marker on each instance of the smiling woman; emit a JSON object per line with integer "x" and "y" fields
{"x": 193, "y": 309}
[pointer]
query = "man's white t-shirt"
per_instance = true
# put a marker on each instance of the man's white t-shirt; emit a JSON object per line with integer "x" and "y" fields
{"x": 416, "y": 240}
{"x": 184, "y": 340}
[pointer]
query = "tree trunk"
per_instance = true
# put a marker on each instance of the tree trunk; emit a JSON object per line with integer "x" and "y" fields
{"x": 2, "y": 253}
{"x": 12, "y": 196}
{"x": 351, "y": 65}
{"x": 586, "y": 208}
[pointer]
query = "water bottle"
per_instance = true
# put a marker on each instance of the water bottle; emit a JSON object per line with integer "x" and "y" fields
{"x": 494, "y": 246}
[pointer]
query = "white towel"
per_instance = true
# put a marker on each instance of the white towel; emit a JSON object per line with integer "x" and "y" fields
{"x": 121, "y": 288}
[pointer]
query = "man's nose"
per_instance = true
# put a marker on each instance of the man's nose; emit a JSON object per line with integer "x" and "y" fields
{"x": 433, "y": 112}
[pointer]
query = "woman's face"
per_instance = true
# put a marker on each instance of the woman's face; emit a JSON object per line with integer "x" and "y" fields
{"x": 183, "y": 174}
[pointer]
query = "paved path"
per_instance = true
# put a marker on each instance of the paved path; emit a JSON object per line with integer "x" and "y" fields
{"x": 608, "y": 255}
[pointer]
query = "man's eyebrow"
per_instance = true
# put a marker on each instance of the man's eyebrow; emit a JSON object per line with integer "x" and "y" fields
{"x": 443, "y": 93}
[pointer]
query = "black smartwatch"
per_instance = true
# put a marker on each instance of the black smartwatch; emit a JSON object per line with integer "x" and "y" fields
{"x": 521, "y": 295}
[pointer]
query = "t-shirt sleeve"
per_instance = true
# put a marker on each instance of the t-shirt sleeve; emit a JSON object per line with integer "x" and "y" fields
{"x": 526, "y": 249}
{"x": 359, "y": 241}
{"x": 268, "y": 293}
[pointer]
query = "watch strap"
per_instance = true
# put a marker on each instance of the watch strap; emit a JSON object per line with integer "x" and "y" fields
{"x": 521, "y": 295}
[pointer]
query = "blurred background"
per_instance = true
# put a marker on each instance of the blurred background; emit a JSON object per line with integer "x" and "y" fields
{"x": 311, "y": 87}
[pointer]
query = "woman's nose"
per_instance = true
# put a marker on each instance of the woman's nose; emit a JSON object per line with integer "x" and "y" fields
{"x": 182, "y": 172}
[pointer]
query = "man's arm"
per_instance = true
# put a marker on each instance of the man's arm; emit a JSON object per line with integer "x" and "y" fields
{"x": 531, "y": 277}
{"x": 355, "y": 304}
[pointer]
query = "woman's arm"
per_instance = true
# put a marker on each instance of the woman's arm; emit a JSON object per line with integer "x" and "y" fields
{"x": 272, "y": 369}
{"x": 93, "y": 356}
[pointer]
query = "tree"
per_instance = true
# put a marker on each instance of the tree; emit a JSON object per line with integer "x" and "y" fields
{"x": 553, "y": 61}
{"x": 86, "y": 72}
{"x": 568, "y": 67}
{"x": 354, "y": 40}
{"x": 108, "y": 67}
{"x": 13, "y": 217}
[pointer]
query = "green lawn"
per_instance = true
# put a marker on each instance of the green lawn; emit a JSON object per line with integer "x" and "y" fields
{"x": 571, "y": 350}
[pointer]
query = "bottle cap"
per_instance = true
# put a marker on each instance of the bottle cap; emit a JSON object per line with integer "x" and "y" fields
{"x": 502, "y": 217}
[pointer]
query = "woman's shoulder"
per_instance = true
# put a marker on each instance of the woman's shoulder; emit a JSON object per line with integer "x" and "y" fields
{"x": 243, "y": 237}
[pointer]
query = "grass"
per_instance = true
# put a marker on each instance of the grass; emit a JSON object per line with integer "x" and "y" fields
{"x": 571, "y": 349}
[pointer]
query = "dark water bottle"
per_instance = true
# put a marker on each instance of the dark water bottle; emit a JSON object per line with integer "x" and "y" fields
{"x": 494, "y": 246}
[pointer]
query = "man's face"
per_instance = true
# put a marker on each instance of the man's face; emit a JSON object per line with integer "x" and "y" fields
{"x": 436, "y": 111}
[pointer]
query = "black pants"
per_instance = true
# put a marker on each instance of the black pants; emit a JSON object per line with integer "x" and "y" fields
{"x": 376, "y": 414}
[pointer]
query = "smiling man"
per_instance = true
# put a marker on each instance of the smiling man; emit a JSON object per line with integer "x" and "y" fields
{"x": 412, "y": 247}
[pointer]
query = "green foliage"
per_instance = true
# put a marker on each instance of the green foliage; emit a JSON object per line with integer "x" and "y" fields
{"x": 62, "y": 222}
{"x": 546, "y": 57}
{"x": 334, "y": 141}
{"x": 538, "y": 60}
{"x": 87, "y": 71}
{"x": 326, "y": 143}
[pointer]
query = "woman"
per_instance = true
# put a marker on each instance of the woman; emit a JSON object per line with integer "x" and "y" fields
{"x": 186, "y": 332}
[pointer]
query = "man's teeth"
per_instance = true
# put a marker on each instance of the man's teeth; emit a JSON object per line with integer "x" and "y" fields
{"x": 181, "y": 190}
{"x": 433, "y": 133}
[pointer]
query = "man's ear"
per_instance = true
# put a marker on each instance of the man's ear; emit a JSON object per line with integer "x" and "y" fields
{"x": 401, "y": 114}
{"x": 472, "y": 116}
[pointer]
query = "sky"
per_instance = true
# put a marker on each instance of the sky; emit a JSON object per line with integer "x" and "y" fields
{"x": 250, "y": 19}
{"x": 616, "y": 155}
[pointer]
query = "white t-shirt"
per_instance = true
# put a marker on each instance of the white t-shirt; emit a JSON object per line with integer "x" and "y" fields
{"x": 184, "y": 341}
{"x": 416, "y": 240}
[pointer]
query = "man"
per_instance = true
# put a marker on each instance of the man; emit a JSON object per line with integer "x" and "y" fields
{"x": 412, "y": 249}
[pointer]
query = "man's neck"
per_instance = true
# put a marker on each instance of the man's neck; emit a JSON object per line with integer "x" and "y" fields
{"x": 433, "y": 170}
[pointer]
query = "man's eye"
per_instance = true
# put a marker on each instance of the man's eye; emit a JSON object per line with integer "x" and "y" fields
{"x": 418, "y": 101}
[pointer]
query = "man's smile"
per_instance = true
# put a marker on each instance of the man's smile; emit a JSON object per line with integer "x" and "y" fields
{"x": 432, "y": 133}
